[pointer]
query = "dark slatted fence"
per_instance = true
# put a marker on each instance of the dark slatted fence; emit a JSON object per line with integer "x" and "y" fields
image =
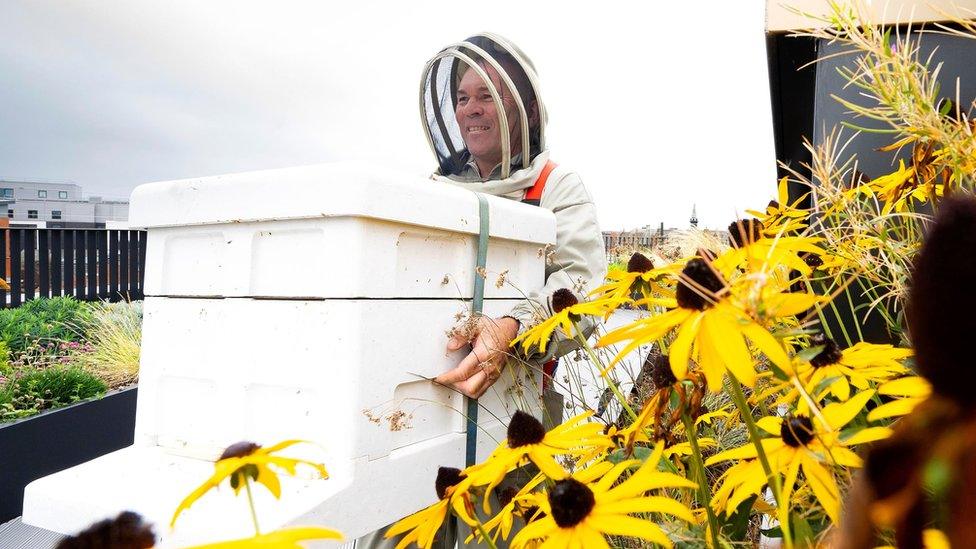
{"x": 89, "y": 264}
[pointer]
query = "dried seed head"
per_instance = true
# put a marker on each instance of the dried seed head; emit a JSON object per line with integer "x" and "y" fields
{"x": 571, "y": 502}
{"x": 743, "y": 232}
{"x": 563, "y": 298}
{"x": 941, "y": 306}
{"x": 524, "y": 429}
{"x": 831, "y": 353}
{"x": 239, "y": 449}
{"x": 796, "y": 431}
{"x": 447, "y": 477}
{"x": 126, "y": 531}
{"x": 639, "y": 263}
{"x": 704, "y": 278}
{"x": 661, "y": 373}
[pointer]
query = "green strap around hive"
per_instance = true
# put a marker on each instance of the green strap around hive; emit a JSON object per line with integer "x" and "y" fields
{"x": 477, "y": 304}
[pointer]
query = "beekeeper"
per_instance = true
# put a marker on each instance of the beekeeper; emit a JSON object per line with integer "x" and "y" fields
{"x": 485, "y": 121}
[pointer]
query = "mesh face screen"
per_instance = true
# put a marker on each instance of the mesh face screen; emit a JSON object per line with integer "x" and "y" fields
{"x": 470, "y": 92}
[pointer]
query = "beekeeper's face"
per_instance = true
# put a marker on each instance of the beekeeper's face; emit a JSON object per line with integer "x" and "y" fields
{"x": 478, "y": 118}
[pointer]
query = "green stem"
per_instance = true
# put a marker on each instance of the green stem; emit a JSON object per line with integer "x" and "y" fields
{"x": 610, "y": 382}
{"x": 772, "y": 479}
{"x": 484, "y": 536}
{"x": 703, "y": 490}
{"x": 250, "y": 503}
{"x": 850, "y": 303}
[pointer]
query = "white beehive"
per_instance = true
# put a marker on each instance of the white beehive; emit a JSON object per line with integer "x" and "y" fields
{"x": 305, "y": 303}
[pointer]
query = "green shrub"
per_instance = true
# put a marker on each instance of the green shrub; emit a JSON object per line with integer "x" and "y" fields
{"x": 37, "y": 390}
{"x": 38, "y": 322}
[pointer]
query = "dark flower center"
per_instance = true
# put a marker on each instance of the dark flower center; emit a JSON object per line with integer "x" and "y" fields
{"x": 773, "y": 204}
{"x": 571, "y": 502}
{"x": 812, "y": 260}
{"x": 703, "y": 280}
{"x": 563, "y": 298}
{"x": 447, "y": 477}
{"x": 796, "y": 431}
{"x": 743, "y": 232}
{"x": 639, "y": 263}
{"x": 524, "y": 429}
{"x": 126, "y": 531}
{"x": 239, "y": 449}
{"x": 830, "y": 354}
{"x": 661, "y": 373}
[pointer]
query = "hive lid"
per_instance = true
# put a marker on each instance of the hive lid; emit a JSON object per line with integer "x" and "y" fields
{"x": 332, "y": 190}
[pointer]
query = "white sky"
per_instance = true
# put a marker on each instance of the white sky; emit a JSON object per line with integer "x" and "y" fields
{"x": 657, "y": 105}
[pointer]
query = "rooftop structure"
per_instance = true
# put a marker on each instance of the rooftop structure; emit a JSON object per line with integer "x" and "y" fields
{"x": 57, "y": 205}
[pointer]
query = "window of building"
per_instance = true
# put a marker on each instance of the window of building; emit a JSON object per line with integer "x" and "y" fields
{"x": 10, "y": 214}
{"x": 55, "y": 214}
{"x": 62, "y": 194}
{"x": 31, "y": 214}
{"x": 7, "y": 193}
{"x": 41, "y": 194}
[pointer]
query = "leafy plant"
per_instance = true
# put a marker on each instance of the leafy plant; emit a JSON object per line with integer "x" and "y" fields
{"x": 33, "y": 391}
{"x": 29, "y": 327}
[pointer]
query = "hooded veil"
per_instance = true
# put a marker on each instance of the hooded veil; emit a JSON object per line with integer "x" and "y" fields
{"x": 438, "y": 101}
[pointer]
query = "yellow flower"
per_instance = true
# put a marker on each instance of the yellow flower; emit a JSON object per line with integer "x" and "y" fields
{"x": 501, "y": 524}
{"x": 245, "y": 461}
{"x": 798, "y": 443}
{"x": 528, "y": 440}
{"x": 641, "y": 277}
{"x": 913, "y": 390}
{"x": 3, "y": 285}
{"x": 452, "y": 490}
{"x": 709, "y": 326}
{"x": 286, "y": 538}
{"x": 567, "y": 311}
{"x": 580, "y": 513}
{"x": 833, "y": 371}
{"x": 765, "y": 255}
{"x": 897, "y": 189}
{"x": 781, "y": 216}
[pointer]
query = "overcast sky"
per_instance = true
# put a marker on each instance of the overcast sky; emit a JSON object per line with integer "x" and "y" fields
{"x": 658, "y": 105}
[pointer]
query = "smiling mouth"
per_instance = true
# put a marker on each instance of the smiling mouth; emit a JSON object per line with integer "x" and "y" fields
{"x": 477, "y": 129}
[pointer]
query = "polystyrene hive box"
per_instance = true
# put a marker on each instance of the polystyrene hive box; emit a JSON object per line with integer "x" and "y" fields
{"x": 332, "y": 231}
{"x": 306, "y": 303}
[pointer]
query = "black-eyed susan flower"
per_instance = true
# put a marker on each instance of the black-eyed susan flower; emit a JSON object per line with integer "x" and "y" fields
{"x": 799, "y": 443}
{"x": 709, "y": 327}
{"x": 782, "y": 216}
{"x": 688, "y": 394}
{"x": 286, "y": 538}
{"x": 126, "y": 530}
{"x": 501, "y": 524}
{"x": 641, "y": 278}
{"x": 838, "y": 372}
{"x": 421, "y": 527}
{"x": 908, "y": 392}
{"x": 567, "y": 311}
{"x": 245, "y": 461}
{"x": 528, "y": 441}
{"x": 580, "y": 512}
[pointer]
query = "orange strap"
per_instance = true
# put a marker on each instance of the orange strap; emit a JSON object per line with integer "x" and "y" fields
{"x": 534, "y": 194}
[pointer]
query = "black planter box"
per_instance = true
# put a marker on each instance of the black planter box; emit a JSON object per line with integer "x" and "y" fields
{"x": 52, "y": 441}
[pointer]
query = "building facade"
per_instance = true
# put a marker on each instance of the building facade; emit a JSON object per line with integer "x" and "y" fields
{"x": 57, "y": 205}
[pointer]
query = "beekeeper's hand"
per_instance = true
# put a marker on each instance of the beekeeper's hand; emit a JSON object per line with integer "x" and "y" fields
{"x": 490, "y": 340}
